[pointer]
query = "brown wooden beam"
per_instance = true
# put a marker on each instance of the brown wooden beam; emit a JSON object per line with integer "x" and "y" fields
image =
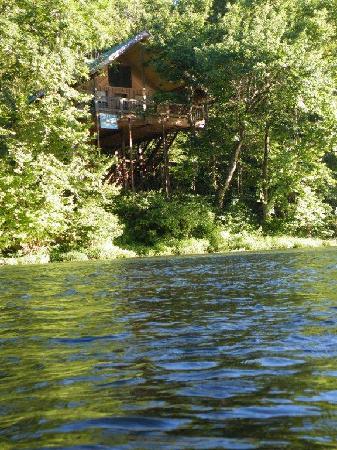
{"x": 132, "y": 175}
{"x": 167, "y": 187}
{"x": 124, "y": 176}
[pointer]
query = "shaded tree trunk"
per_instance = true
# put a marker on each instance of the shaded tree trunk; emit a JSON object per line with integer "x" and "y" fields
{"x": 232, "y": 168}
{"x": 167, "y": 184}
{"x": 213, "y": 170}
{"x": 265, "y": 169}
{"x": 239, "y": 177}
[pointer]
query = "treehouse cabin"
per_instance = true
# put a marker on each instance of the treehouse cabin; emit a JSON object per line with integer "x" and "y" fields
{"x": 129, "y": 122}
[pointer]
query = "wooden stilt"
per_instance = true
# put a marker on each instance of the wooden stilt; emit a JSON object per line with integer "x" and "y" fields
{"x": 140, "y": 164}
{"x": 132, "y": 175}
{"x": 98, "y": 128}
{"x": 114, "y": 173}
{"x": 118, "y": 171}
{"x": 166, "y": 173}
{"x": 98, "y": 125}
{"x": 124, "y": 176}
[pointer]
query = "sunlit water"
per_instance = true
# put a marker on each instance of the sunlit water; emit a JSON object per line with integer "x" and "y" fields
{"x": 214, "y": 352}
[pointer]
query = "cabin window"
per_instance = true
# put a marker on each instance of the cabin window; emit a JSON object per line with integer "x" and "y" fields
{"x": 120, "y": 76}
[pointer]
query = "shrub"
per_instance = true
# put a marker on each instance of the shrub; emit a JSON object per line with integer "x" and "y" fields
{"x": 52, "y": 205}
{"x": 192, "y": 246}
{"x": 238, "y": 217}
{"x": 307, "y": 216}
{"x": 73, "y": 256}
{"x": 151, "y": 220}
{"x": 107, "y": 250}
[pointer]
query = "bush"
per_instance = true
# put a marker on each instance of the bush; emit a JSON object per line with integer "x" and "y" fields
{"x": 150, "y": 220}
{"x": 192, "y": 246}
{"x": 73, "y": 256}
{"x": 91, "y": 227}
{"x": 238, "y": 217}
{"x": 51, "y": 205}
{"x": 256, "y": 241}
{"x": 310, "y": 215}
{"x": 107, "y": 250}
{"x": 307, "y": 216}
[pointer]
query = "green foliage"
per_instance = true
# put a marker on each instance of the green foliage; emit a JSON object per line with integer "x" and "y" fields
{"x": 307, "y": 215}
{"x": 193, "y": 246}
{"x": 51, "y": 190}
{"x": 107, "y": 250}
{"x": 45, "y": 203}
{"x": 33, "y": 209}
{"x": 73, "y": 255}
{"x": 268, "y": 68}
{"x": 238, "y": 217}
{"x": 152, "y": 220}
{"x": 92, "y": 225}
{"x": 256, "y": 241}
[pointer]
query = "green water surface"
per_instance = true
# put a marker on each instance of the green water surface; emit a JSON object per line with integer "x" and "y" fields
{"x": 213, "y": 352}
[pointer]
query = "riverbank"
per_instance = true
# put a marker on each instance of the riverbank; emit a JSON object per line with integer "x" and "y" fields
{"x": 228, "y": 242}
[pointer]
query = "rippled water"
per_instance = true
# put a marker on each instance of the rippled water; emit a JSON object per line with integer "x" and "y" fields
{"x": 214, "y": 352}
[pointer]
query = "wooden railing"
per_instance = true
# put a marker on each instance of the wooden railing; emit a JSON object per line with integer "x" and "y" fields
{"x": 120, "y": 107}
{"x": 129, "y": 93}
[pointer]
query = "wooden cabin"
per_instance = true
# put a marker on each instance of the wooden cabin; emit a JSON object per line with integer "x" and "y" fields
{"x": 129, "y": 122}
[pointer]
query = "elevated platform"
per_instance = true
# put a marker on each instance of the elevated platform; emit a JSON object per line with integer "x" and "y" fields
{"x": 117, "y": 117}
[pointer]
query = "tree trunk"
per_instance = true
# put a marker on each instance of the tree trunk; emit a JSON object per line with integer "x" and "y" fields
{"x": 167, "y": 184}
{"x": 265, "y": 167}
{"x": 239, "y": 169}
{"x": 213, "y": 170}
{"x": 232, "y": 168}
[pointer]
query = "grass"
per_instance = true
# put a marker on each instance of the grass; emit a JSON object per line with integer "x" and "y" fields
{"x": 228, "y": 242}
{"x": 255, "y": 241}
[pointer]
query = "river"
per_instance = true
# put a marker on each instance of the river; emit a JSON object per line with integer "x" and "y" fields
{"x": 233, "y": 351}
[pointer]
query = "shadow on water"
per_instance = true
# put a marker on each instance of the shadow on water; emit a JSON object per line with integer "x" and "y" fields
{"x": 226, "y": 351}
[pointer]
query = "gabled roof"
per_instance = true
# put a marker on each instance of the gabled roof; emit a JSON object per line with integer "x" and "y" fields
{"x": 115, "y": 52}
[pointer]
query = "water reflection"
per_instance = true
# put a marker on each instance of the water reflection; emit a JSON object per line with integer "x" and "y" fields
{"x": 235, "y": 352}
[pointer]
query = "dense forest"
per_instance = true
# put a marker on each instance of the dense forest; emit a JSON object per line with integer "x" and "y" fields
{"x": 262, "y": 173}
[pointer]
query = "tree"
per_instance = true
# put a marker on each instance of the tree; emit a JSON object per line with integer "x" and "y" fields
{"x": 44, "y": 133}
{"x": 270, "y": 75}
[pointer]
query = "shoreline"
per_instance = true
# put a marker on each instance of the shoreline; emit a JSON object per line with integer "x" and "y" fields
{"x": 233, "y": 244}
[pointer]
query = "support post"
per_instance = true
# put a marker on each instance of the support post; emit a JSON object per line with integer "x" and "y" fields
{"x": 98, "y": 129}
{"x": 132, "y": 175}
{"x": 97, "y": 115}
{"x": 167, "y": 187}
{"x": 125, "y": 182}
{"x": 118, "y": 171}
{"x": 140, "y": 165}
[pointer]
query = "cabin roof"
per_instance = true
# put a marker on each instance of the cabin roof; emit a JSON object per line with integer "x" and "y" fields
{"x": 115, "y": 52}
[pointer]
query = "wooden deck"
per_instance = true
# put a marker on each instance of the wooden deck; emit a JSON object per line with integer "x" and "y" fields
{"x": 143, "y": 105}
{"x": 115, "y": 115}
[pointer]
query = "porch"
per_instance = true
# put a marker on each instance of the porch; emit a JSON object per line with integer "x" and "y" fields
{"x": 139, "y": 105}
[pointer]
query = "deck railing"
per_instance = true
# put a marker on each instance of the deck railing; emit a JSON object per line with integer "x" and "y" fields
{"x": 120, "y": 107}
{"x": 138, "y": 94}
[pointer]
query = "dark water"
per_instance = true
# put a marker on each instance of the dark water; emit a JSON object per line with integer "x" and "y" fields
{"x": 213, "y": 352}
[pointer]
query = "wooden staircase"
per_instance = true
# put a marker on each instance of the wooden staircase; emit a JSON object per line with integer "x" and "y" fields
{"x": 144, "y": 168}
